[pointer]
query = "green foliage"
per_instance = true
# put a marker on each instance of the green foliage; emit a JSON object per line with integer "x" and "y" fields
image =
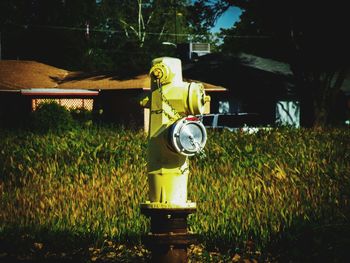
{"x": 123, "y": 34}
{"x": 257, "y": 187}
{"x": 51, "y": 117}
{"x": 82, "y": 116}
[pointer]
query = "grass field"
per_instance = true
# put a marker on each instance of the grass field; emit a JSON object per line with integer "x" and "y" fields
{"x": 270, "y": 196}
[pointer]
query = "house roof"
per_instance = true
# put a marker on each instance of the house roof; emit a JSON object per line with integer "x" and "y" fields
{"x": 222, "y": 64}
{"x": 20, "y": 75}
{"x": 265, "y": 64}
{"x": 16, "y": 75}
{"x": 221, "y": 69}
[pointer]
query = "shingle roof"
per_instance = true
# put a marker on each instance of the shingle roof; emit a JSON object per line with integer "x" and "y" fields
{"x": 265, "y": 64}
{"x": 77, "y": 80}
{"x": 18, "y": 75}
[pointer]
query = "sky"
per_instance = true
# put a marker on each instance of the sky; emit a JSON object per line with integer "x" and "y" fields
{"x": 227, "y": 19}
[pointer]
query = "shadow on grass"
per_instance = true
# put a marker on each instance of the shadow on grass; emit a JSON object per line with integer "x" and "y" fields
{"x": 22, "y": 245}
{"x": 329, "y": 243}
{"x": 306, "y": 244}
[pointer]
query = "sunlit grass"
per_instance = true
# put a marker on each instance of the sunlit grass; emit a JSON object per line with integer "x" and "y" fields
{"x": 90, "y": 182}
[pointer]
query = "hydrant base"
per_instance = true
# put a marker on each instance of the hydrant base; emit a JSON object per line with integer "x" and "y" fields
{"x": 172, "y": 206}
{"x": 169, "y": 236}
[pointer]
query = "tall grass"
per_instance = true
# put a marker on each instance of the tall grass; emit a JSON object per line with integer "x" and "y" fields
{"x": 249, "y": 187}
{"x": 259, "y": 186}
{"x": 83, "y": 181}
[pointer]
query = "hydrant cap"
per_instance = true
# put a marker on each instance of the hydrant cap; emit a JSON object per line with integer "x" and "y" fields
{"x": 167, "y": 70}
{"x": 196, "y": 98}
{"x": 188, "y": 136}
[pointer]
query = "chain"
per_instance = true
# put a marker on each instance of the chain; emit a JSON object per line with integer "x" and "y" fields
{"x": 201, "y": 153}
{"x": 165, "y": 113}
{"x": 200, "y": 117}
{"x": 186, "y": 169}
{"x": 176, "y": 115}
{"x": 199, "y": 149}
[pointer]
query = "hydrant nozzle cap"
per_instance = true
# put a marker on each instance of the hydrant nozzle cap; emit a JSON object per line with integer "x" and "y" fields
{"x": 188, "y": 136}
{"x": 157, "y": 73}
{"x": 196, "y": 98}
{"x": 161, "y": 72}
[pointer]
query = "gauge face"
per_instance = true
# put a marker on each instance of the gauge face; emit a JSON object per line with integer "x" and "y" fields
{"x": 188, "y": 136}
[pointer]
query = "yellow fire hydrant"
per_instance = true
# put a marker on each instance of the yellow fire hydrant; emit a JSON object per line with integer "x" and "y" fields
{"x": 174, "y": 134}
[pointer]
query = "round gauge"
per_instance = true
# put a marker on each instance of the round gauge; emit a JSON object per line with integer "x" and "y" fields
{"x": 188, "y": 136}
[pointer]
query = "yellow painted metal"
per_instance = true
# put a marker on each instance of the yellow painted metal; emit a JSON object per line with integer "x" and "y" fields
{"x": 171, "y": 99}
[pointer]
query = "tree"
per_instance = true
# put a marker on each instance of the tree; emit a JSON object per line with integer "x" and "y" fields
{"x": 47, "y": 31}
{"x": 131, "y": 33}
{"x": 111, "y": 35}
{"x": 138, "y": 29}
{"x": 311, "y": 36}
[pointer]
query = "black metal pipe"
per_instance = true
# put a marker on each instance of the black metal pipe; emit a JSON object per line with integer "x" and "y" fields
{"x": 169, "y": 236}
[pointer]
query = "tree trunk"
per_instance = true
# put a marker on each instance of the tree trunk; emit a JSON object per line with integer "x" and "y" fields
{"x": 321, "y": 117}
{"x": 320, "y": 98}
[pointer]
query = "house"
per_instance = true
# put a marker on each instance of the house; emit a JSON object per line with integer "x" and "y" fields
{"x": 25, "y": 84}
{"x": 254, "y": 84}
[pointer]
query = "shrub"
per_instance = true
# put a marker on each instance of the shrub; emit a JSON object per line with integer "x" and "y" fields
{"x": 51, "y": 117}
{"x": 82, "y": 116}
